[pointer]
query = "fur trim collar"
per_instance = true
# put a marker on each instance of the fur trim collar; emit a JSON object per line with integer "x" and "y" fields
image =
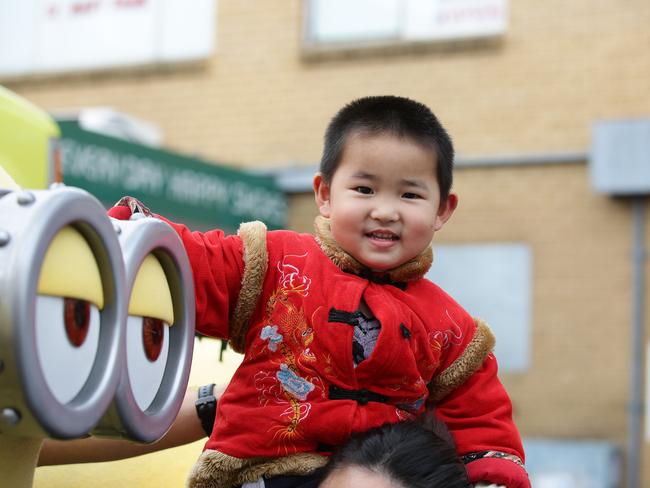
{"x": 412, "y": 270}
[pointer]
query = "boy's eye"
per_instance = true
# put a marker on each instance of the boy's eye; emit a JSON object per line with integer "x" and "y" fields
{"x": 364, "y": 190}
{"x": 411, "y": 195}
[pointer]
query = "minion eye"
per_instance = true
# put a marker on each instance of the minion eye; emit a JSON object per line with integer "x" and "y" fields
{"x": 76, "y": 319}
{"x": 67, "y": 321}
{"x": 62, "y": 320}
{"x": 67, "y": 340}
{"x": 153, "y": 337}
{"x": 147, "y": 348}
{"x": 159, "y": 330}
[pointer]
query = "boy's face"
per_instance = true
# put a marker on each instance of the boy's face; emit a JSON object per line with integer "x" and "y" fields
{"x": 383, "y": 201}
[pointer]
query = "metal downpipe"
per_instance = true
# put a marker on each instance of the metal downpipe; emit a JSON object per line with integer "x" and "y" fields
{"x": 637, "y": 335}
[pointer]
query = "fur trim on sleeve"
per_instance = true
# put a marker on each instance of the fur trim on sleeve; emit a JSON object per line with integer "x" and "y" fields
{"x": 253, "y": 236}
{"x": 466, "y": 364}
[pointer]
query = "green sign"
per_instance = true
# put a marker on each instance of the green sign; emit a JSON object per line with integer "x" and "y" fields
{"x": 183, "y": 189}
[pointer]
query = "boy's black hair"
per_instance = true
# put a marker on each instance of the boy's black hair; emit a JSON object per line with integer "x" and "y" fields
{"x": 400, "y": 116}
{"x": 416, "y": 454}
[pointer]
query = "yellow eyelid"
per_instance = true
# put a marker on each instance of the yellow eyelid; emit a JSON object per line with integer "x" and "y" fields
{"x": 151, "y": 296}
{"x": 70, "y": 269}
{"x": 7, "y": 181}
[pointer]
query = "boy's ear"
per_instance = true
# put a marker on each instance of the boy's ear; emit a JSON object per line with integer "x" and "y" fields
{"x": 445, "y": 210}
{"x": 322, "y": 195}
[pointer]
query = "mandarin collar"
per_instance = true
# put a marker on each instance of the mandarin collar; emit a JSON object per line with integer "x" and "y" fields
{"x": 411, "y": 270}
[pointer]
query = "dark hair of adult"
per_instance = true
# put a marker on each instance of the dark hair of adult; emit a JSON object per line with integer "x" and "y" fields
{"x": 399, "y": 116}
{"x": 415, "y": 454}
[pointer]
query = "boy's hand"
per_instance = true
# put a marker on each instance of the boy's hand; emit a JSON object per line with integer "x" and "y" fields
{"x": 126, "y": 207}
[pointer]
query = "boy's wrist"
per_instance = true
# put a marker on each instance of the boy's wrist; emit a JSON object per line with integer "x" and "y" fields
{"x": 206, "y": 407}
{"x": 499, "y": 471}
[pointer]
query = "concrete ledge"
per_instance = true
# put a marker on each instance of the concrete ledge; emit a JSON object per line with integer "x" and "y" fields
{"x": 297, "y": 178}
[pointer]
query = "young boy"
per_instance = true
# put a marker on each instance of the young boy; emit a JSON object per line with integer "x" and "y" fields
{"x": 340, "y": 331}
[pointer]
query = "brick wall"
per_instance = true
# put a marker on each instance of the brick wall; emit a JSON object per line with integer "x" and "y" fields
{"x": 560, "y": 66}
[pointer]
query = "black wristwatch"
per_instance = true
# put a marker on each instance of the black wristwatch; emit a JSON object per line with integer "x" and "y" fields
{"x": 206, "y": 407}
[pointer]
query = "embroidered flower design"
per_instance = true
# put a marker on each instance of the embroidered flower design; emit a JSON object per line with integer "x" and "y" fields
{"x": 291, "y": 279}
{"x": 294, "y": 384}
{"x": 270, "y": 391}
{"x": 270, "y": 332}
{"x": 450, "y": 337}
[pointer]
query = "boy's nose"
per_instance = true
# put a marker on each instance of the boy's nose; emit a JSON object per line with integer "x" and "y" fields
{"x": 384, "y": 213}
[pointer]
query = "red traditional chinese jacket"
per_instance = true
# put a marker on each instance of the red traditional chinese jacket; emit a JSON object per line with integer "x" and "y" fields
{"x": 287, "y": 301}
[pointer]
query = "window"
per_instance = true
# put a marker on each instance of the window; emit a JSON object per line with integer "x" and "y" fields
{"x": 358, "y": 22}
{"x": 60, "y": 36}
{"x": 492, "y": 281}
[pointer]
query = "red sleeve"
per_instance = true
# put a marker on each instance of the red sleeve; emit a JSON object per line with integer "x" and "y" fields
{"x": 217, "y": 267}
{"x": 479, "y": 416}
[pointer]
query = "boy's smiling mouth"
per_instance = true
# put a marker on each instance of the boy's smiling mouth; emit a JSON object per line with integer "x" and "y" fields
{"x": 384, "y": 237}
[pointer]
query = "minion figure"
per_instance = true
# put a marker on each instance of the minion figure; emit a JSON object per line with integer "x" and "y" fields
{"x": 96, "y": 324}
